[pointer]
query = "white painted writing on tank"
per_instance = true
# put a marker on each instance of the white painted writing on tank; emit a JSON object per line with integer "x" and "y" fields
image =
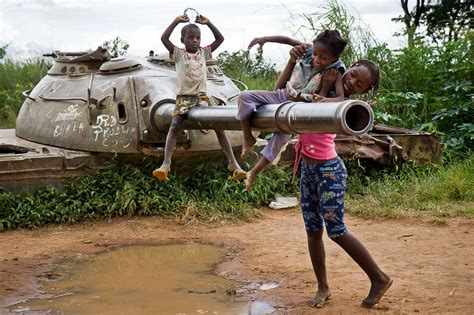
{"x": 65, "y": 128}
{"x": 111, "y": 134}
{"x": 70, "y": 113}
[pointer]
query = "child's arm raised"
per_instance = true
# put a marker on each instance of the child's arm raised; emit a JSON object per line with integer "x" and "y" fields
{"x": 165, "y": 38}
{"x": 295, "y": 53}
{"x": 274, "y": 39}
{"x": 285, "y": 74}
{"x": 219, "y": 38}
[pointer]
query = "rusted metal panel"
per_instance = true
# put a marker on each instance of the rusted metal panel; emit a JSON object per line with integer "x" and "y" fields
{"x": 26, "y": 165}
{"x": 385, "y": 145}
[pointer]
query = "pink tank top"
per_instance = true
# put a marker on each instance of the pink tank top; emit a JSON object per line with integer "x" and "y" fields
{"x": 318, "y": 146}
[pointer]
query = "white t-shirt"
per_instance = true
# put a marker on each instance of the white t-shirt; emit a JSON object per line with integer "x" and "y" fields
{"x": 191, "y": 70}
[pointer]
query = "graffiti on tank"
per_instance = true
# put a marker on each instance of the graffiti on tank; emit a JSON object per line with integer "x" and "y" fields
{"x": 68, "y": 122}
{"x": 68, "y": 127}
{"x": 70, "y": 113}
{"x": 111, "y": 134}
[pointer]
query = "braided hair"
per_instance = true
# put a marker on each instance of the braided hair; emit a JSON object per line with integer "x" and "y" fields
{"x": 374, "y": 71}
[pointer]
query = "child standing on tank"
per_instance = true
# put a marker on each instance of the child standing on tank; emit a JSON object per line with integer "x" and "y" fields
{"x": 191, "y": 72}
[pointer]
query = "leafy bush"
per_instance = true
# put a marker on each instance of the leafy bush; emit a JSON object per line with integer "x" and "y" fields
{"x": 10, "y": 103}
{"x": 255, "y": 72}
{"x": 428, "y": 87}
{"x": 16, "y": 77}
{"x": 116, "y": 47}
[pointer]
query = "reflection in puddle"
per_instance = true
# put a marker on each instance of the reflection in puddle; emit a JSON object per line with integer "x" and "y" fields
{"x": 166, "y": 279}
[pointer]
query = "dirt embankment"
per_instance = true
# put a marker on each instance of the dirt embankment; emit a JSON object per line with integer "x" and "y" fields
{"x": 432, "y": 266}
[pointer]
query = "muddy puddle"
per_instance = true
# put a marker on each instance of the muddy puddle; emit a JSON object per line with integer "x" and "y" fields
{"x": 168, "y": 279}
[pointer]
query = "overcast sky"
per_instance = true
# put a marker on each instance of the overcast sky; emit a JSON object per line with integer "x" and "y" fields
{"x": 38, "y": 26}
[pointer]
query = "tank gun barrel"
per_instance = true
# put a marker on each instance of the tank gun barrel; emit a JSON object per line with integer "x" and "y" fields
{"x": 350, "y": 117}
{"x": 58, "y": 53}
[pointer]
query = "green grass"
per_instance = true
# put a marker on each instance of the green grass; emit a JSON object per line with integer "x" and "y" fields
{"x": 200, "y": 193}
{"x": 16, "y": 77}
{"x": 434, "y": 193}
{"x": 20, "y": 72}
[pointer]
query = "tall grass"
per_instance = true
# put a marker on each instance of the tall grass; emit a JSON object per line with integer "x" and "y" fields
{"x": 254, "y": 71}
{"x": 334, "y": 15}
{"x": 16, "y": 77}
{"x": 198, "y": 193}
{"x": 434, "y": 193}
{"x": 202, "y": 193}
{"x": 24, "y": 72}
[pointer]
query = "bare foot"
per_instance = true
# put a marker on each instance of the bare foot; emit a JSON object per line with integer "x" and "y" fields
{"x": 247, "y": 146}
{"x": 377, "y": 290}
{"x": 320, "y": 298}
{"x": 249, "y": 181}
{"x": 162, "y": 174}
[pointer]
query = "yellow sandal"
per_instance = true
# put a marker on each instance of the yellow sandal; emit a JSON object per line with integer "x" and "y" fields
{"x": 161, "y": 174}
{"x": 238, "y": 175}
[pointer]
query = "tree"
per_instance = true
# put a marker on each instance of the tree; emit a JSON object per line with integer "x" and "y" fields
{"x": 447, "y": 20}
{"x": 116, "y": 47}
{"x": 3, "y": 51}
{"x": 411, "y": 18}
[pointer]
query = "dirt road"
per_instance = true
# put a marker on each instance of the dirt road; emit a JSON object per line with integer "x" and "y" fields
{"x": 432, "y": 266}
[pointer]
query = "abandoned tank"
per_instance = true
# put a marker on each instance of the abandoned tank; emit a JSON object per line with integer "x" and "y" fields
{"x": 91, "y": 107}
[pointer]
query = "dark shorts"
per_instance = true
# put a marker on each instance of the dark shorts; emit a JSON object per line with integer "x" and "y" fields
{"x": 322, "y": 196}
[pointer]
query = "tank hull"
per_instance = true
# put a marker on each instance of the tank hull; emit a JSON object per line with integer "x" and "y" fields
{"x": 26, "y": 165}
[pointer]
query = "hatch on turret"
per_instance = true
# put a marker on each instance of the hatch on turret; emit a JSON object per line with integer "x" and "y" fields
{"x": 119, "y": 64}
